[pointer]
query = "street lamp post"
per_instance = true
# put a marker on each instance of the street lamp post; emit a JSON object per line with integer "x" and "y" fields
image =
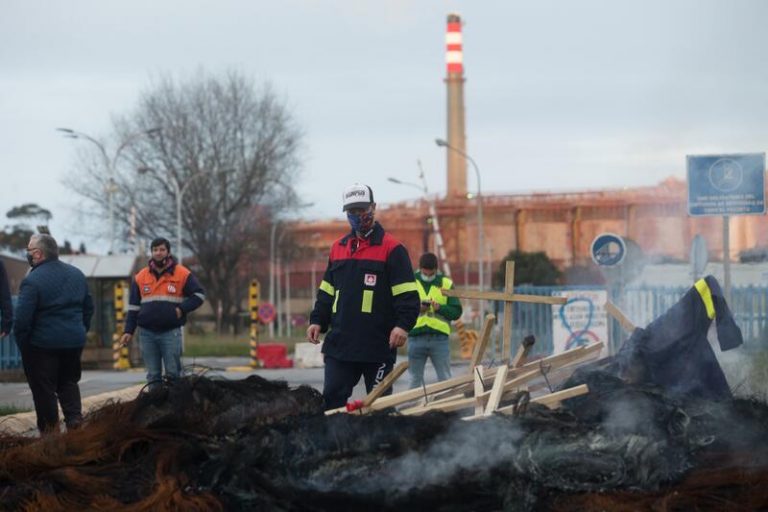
{"x": 433, "y": 214}
{"x": 110, "y": 164}
{"x": 178, "y": 192}
{"x": 273, "y": 279}
{"x": 480, "y": 237}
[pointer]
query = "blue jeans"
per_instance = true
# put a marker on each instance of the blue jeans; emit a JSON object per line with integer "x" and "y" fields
{"x": 434, "y": 346}
{"x": 161, "y": 349}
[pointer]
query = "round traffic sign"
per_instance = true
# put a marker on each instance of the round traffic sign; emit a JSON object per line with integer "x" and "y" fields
{"x": 608, "y": 249}
{"x": 266, "y": 312}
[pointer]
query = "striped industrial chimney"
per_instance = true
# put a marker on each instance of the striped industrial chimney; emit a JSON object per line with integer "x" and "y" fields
{"x": 454, "y": 80}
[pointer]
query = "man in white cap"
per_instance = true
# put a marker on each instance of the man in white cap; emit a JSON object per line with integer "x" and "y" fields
{"x": 368, "y": 299}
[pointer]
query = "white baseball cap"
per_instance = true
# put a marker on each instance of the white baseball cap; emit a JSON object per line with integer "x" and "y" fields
{"x": 357, "y": 196}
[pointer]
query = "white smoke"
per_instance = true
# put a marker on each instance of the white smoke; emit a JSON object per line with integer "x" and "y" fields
{"x": 477, "y": 447}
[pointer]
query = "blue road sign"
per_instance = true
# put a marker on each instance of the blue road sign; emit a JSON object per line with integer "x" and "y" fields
{"x": 726, "y": 184}
{"x": 608, "y": 249}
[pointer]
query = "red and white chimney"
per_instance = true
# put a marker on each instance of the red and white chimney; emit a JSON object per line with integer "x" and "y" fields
{"x": 455, "y": 161}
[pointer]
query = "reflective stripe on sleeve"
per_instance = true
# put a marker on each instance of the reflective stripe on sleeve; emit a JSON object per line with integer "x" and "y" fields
{"x": 327, "y": 288}
{"x": 335, "y": 301}
{"x": 404, "y": 287}
{"x": 200, "y": 296}
{"x": 706, "y": 296}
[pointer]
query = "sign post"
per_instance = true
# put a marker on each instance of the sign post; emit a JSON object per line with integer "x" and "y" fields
{"x": 254, "y": 292}
{"x": 725, "y": 185}
{"x": 120, "y": 353}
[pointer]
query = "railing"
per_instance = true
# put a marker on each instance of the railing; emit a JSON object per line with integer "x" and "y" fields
{"x": 10, "y": 357}
{"x": 642, "y": 305}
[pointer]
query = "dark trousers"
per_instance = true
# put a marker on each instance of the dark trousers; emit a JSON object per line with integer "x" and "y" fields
{"x": 53, "y": 374}
{"x": 342, "y": 376}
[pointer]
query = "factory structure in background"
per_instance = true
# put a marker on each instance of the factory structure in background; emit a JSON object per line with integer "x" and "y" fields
{"x": 479, "y": 230}
{"x": 456, "y": 137}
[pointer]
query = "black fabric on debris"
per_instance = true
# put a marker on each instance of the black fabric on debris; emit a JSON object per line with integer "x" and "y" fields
{"x": 259, "y": 445}
{"x": 673, "y": 350}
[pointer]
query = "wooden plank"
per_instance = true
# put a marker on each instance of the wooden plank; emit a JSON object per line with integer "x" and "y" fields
{"x": 518, "y": 380}
{"x": 620, "y": 317}
{"x": 523, "y": 351}
{"x": 479, "y": 388}
{"x": 511, "y": 386}
{"x": 460, "y": 384}
{"x": 412, "y": 394}
{"x": 455, "y": 405}
{"x": 564, "y": 359}
{"x": 480, "y": 400}
{"x": 504, "y": 297}
{"x": 552, "y": 400}
{"x": 482, "y": 344}
{"x": 496, "y": 392}
{"x": 506, "y": 332}
{"x": 385, "y": 384}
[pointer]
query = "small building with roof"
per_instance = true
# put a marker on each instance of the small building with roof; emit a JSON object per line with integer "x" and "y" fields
{"x": 103, "y": 273}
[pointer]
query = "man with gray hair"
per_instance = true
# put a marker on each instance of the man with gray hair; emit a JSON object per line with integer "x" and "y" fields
{"x": 53, "y": 315}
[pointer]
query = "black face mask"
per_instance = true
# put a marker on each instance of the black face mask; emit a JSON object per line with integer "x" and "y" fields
{"x": 29, "y": 260}
{"x": 161, "y": 263}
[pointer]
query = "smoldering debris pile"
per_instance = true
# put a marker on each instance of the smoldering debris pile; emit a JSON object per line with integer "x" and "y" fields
{"x": 258, "y": 445}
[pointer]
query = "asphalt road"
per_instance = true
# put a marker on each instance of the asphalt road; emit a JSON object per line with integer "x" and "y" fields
{"x": 94, "y": 382}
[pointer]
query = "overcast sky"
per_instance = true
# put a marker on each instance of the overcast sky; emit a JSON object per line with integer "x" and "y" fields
{"x": 559, "y": 94}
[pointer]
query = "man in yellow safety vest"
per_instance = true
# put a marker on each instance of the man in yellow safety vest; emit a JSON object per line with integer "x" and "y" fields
{"x": 429, "y": 338}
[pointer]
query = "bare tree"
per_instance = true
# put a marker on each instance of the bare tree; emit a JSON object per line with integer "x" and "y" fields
{"x": 229, "y": 150}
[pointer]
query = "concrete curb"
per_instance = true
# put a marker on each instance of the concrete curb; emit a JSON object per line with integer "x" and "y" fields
{"x": 26, "y": 422}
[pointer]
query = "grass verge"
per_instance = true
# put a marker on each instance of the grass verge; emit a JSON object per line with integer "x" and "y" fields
{"x": 7, "y": 410}
{"x": 226, "y": 345}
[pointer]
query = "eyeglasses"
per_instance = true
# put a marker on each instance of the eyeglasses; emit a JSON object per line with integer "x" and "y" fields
{"x": 32, "y": 249}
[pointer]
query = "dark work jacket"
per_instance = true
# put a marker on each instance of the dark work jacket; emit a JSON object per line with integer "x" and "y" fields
{"x": 673, "y": 350}
{"x": 367, "y": 290}
{"x": 6, "y": 307}
{"x": 54, "y": 307}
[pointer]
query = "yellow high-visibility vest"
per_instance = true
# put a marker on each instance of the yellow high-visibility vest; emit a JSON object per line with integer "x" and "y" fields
{"x": 429, "y": 318}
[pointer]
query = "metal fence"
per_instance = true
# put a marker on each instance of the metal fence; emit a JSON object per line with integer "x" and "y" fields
{"x": 749, "y": 305}
{"x": 641, "y": 304}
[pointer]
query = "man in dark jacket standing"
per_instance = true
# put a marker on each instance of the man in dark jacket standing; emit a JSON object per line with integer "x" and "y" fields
{"x": 53, "y": 314}
{"x": 162, "y": 295}
{"x": 6, "y": 307}
{"x": 367, "y": 297}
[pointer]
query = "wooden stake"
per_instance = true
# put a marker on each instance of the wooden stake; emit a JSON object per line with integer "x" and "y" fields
{"x": 620, "y": 317}
{"x": 523, "y": 351}
{"x": 482, "y": 344}
{"x": 385, "y": 384}
{"x": 479, "y": 389}
{"x": 509, "y": 287}
{"x": 496, "y": 391}
{"x": 505, "y": 297}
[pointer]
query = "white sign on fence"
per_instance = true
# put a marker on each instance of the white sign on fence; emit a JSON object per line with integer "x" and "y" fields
{"x": 580, "y": 321}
